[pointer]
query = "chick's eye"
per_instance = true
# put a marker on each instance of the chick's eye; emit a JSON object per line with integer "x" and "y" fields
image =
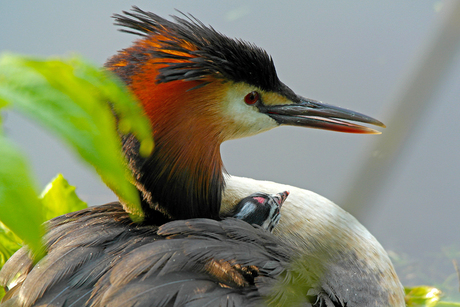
{"x": 251, "y": 98}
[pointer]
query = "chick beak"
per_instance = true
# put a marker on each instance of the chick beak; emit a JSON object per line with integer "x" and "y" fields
{"x": 281, "y": 197}
{"x": 314, "y": 114}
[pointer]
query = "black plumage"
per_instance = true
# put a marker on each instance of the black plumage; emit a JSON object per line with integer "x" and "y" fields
{"x": 201, "y": 50}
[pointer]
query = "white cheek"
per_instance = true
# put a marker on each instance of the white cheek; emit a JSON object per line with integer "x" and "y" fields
{"x": 245, "y": 120}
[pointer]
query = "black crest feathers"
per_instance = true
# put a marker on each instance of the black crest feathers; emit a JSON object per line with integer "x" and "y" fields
{"x": 193, "y": 51}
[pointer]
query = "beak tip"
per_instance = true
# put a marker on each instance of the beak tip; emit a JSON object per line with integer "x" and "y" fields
{"x": 368, "y": 130}
{"x": 379, "y": 123}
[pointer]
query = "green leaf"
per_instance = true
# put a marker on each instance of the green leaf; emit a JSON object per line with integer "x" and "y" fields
{"x": 426, "y": 296}
{"x": 19, "y": 204}
{"x": 72, "y": 98}
{"x": 59, "y": 198}
{"x": 9, "y": 244}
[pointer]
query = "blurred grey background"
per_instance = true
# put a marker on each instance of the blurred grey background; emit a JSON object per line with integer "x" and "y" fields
{"x": 352, "y": 54}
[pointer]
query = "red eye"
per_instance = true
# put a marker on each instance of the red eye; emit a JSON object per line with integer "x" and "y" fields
{"x": 251, "y": 98}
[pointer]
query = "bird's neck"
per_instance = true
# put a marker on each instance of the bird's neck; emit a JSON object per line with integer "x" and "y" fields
{"x": 183, "y": 177}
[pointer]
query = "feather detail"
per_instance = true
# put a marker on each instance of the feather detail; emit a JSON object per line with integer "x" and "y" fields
{"x": 57, "y": 267}
{"x": 14, "y": 273}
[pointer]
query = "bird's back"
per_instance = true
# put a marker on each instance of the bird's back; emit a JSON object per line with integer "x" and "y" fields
{"x": 98, "y": 257}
